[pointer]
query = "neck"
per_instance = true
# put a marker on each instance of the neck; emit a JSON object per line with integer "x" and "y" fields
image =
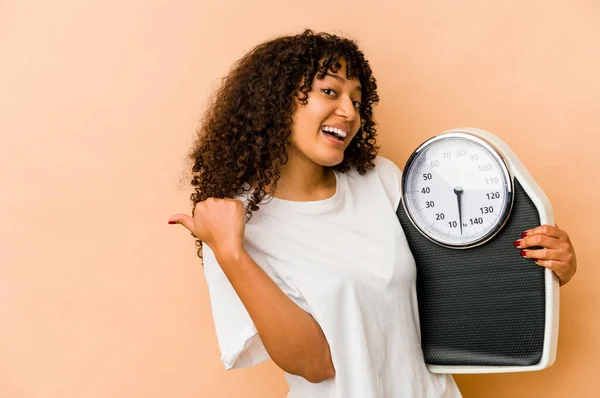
{"x": 304, "y": 180}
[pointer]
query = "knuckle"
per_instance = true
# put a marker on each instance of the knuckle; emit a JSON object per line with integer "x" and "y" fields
{"x": 543, "y": 263}
{"x": 545, "y": 229}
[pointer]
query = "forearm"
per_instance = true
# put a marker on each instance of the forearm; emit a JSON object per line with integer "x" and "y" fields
{"x": 293, "y": 338}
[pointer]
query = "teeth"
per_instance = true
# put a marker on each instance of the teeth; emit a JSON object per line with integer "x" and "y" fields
{"x": 339, "y": 132}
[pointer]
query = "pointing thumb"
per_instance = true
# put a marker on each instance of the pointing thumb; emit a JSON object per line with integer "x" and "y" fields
{"x": 183, "y": 219}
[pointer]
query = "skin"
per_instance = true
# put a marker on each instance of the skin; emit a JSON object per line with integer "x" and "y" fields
{"x": 334, "y": 100}
{"x": 293, "y": 339}
{"x": 557, "y": 254}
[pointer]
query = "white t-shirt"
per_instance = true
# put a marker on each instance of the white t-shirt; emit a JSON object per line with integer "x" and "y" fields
{"x": 345, "y": 260}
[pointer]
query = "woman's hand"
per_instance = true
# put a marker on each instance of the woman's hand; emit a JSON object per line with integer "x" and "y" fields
{"x": 220, "y": 223}
{"x": 557, "y": 253}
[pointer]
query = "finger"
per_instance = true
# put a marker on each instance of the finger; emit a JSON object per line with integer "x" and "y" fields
{"x": 545, "y": 230}
{"x": 552, "y": 264}
{"x": 546, "y": 241}
{"x": 559, "y": 268}
{"x": 183, "y": 219}
{"x": 543, "y": 254}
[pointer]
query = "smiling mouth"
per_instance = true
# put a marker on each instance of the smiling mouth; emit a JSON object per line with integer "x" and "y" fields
{"x": 338, "y": 134}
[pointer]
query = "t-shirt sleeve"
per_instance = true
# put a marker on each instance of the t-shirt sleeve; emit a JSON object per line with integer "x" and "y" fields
{"x": 391, "y": 177}
{"x": 239, "y": 342}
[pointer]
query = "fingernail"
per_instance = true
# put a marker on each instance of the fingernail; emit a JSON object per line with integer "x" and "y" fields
{"x": 524, "y": 234}
{"x": 518, "y": 243}
{"x": 523, "y": 253}
{"x": 172, "y": 222}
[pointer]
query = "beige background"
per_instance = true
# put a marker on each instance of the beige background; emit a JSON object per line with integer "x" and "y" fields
{"x": 99, "y": 297}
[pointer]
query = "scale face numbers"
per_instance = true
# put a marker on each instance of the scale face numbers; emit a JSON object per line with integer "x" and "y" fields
{"x": 457, "y": 190}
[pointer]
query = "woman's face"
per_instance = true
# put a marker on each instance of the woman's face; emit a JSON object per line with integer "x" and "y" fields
{"x": 323, "y": 128}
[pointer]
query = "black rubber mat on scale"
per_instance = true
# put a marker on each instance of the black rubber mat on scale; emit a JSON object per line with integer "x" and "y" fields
{"x": 483, "y": 306}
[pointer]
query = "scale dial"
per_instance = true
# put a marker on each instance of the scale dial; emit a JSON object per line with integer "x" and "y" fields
{"x": 457, "y": 190}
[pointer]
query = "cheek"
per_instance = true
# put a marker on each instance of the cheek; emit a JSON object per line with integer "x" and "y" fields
{"x": 309, "y": 118}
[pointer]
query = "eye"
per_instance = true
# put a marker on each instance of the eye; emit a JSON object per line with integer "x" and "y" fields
{"x": 328, "y": 91}
{"x": 357, "y": 105}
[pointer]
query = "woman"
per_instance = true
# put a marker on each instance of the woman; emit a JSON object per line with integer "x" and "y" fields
{"x": 294, "y": 212}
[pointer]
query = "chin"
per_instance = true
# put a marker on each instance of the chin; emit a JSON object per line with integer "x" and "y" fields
{"x": 332, "y": 160}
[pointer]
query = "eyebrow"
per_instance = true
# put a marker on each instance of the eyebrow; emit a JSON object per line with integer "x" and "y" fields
{"x": 342, "y": 80}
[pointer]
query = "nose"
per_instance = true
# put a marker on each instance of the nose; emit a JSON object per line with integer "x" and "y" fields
{"x": 346, "y": 109}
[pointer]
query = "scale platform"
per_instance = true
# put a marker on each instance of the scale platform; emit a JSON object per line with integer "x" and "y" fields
{"x": 486, "y": 309}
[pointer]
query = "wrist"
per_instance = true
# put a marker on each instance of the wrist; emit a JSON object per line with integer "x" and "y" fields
{"x": 228, "y": 254}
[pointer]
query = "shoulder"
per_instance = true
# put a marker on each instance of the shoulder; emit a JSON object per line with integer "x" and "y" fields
{"x": 386, "y": 166}
{"x": 385, "y": 174}
{"x": 390, "y": 176}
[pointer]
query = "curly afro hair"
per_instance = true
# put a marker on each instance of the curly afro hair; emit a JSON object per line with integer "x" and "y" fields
{"x": 243, "y": 137}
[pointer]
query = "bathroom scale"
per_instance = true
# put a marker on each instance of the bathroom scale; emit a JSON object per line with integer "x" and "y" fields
{"x": 466, "y": 198}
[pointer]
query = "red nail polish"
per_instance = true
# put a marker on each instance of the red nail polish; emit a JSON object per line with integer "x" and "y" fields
{"x": 524, "y": 234}
{"x": 518, "y": 243}
{"x": 523, "y": 253}
{"x": 172, "y": 222}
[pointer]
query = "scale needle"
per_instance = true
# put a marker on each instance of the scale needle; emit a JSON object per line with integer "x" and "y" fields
{"x": 458, "y": 191}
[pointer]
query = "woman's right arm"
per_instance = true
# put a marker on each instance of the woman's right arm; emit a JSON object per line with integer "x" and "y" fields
{"x": 293, "y": 338}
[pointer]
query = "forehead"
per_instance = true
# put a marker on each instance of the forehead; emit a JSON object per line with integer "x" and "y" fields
{"x": 340, "y": 75}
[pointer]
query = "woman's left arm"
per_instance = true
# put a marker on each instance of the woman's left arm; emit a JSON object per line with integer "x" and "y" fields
{"x": 557, "y": 252}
